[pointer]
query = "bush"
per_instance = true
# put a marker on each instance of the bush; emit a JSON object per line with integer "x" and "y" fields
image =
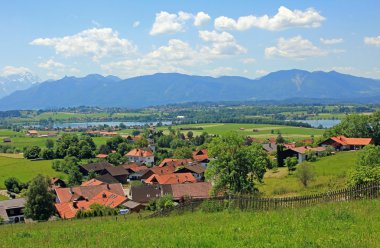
{"x": 305, "y": 174}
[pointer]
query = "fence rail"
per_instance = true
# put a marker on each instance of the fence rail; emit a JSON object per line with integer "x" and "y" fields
{"x": 254, "y": 203}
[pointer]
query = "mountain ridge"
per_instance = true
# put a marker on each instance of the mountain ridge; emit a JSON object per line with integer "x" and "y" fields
{"x": 171, "y": 88}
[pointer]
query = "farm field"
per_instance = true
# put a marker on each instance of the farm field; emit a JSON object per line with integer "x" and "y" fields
{"x": 24, "y": 169}
{"x": 262, "y": 131}
{"x": 330, "y": 173}
{"x": 347, "y": 224}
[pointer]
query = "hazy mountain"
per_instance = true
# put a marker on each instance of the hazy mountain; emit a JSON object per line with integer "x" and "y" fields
{"x": 165, "y": 88}
{"x": 11, "y": 83}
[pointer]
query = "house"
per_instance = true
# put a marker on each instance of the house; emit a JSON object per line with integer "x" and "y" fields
{"x": 270, "y": 147}
{"x": 118, "y": 172}
{"x": 171, "y": 178}
{"x": 133, "y": 206}
{"x": 302, "y": 153}
{"x": 12, "y": 211}
{"x": 343, "y": 143}
{"x": 57, "y": 183}
{"x": 202, "y": 157}
{"x": 98, "y": 167}
{"x": 86, "y": 192}
{"x": 142, "y": 156}
{"x": 7, "y": 140}
{"x": 194, "y": 168}
{"x": 68, "y": 210}
{"x": 199, "y": 190}
{"x": 92, "y": 182}
{"x": 32, "y": 133}
{"x": 135, "y": 171}
{"x": 174, "y": 162}
{"x": 145, "y": 193}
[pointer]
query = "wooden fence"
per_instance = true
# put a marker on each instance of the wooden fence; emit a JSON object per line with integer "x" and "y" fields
{"x": 254, "y": 203}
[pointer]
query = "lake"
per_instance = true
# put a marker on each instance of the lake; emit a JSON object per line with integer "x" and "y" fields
{"x": 324, "y": 123}
{"x": 109, "y": 123}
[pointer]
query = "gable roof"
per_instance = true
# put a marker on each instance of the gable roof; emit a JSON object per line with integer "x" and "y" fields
{"x": 107, "y": 178}
{"x": 134, "y": 167}
{"x": 200, "y": 155}
{"x": 92, "y": 182}
{"x": 171, "y": 178}
{"x": 139, "y": 153}
{"x": 13, "y": 203}
{"x": 351, "y": 141}
{"x": 304, "y": 149}
{"x": 117, "y": 171}
{"x": 96, "y": 166}
{"x": 175, "y": 162}
{"x": 74, "y": 193}
{"x": 194, "y": 167}
{"x": 199, "y": 190}
{"x": 144, "y": 193}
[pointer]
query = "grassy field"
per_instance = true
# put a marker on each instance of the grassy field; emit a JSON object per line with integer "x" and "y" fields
{"x": 348, "y": 224}
{"x": 330, "y": 173}
{"x": 262, "y": 131}
{"x": 24, "y": 169}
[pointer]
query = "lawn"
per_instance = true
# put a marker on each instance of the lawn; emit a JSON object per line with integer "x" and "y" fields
{"x": 330, "y": 173}
{"x": 348, "y": 224}
{"x": 24, "y": 169}
{"x": 262, "y": 131}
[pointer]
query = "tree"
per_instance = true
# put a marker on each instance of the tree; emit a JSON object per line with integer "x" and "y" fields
{"x": 114, "y": 142}
{"x": 280, "y": 156}
{"x": 135, "y": 132}
{"x": 32, "y": 152}
{"x": 190, "y": 134}
{"x": 72, "y": 151}
{"x": 49, "y": 143}
{"x": 39, "y": 203}
{"x": 291, "y": 163}
{"x": 236, "y": 167}
{"x": 367, "y": 166}
{"x": 104, "y": 149}
{"x": 183, "y": 153}
{"x": 123, "y": 148}
{"x": 14, "y": 185}
{"x": 47, "y": 153}
{"x": 86, "y": 152}
{"x": 280, "y": 139}
{"x": 115, "y": 158}
{"x": 75, "y": 177}
{"x": 305, "y": 173}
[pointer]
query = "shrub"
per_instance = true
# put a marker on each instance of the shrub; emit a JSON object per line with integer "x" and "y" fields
{"x": 305, "y": 174}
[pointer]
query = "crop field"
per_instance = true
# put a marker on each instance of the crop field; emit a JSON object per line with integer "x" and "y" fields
{"x": 330, "y": 174}
{"x": 24, "y": 169}
{"x": 347, "y": 224}
{"x": 260, "y": 131}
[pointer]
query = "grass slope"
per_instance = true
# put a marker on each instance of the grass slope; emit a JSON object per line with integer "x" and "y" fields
{"x": 349, "y": 224}
{"x": 24, "y": 169}
{"x": 330, "y": 173}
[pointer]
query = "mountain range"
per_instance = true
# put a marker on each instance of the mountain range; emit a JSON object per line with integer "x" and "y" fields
{"x": 14, "y": 82}
{"x": 169, "y": 88}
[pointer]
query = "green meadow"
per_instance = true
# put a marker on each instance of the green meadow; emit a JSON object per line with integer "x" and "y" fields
{"x": 331, "y": 173}
{"x": 345, "y": 224}
{"x": 24, "y": 169}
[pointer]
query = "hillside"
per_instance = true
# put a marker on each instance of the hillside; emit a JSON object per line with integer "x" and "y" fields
{"x": 348, "y": 224}
{"x": 166, "y": 88}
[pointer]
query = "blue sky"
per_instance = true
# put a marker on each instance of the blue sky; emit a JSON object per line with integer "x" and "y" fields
{"x": 245, "y": 38}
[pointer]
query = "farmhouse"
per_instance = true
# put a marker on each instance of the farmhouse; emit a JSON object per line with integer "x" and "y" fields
{"x": 201, "y": 156}
{"x": 171, "y": 178}
{"x": 135, "y": 171}
{"x": 98, "y": 167}
{"x": 57, "y": 183}
{"x": 142, "y": 156}
{"x": 195, "y": 169}
{"x": 174, "y": 162}
{"x": 32, "y": 133}
{"x": 343, "y": 143}
{"x": 302, "y": 153}
{"x": 199, "y": 190}
{"x": 144, "y": 193}
{"x": 12, "y": 211}
{"x": 133, "y": 206}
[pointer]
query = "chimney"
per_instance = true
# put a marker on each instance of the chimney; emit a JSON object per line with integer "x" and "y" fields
{"x": 75, "y": 204}
{"x": 104, "y": 195}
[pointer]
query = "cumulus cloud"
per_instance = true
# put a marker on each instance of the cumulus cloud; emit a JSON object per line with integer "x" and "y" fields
{"x": 221, "y": 71}
{"x": 295, "y": 48}
{"x": 56, "y": 69}
{"x": 12, "y": 70}
{"x": 248, "y": 60}
{"x": 261, "y": 72}
{"x": 95, "y": 42}
{"x": 374, "y": 41}
{"x": 51, "y": 64}
{"x": 222, "y": 43}
{"x": 166, "y": 23}
{"x": 331, "y": 41}
{"x": 285, "y": 18}
{"x": 201, "y": 18}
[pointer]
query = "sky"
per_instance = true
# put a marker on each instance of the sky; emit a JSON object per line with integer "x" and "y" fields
{"x": 54, "y": 39}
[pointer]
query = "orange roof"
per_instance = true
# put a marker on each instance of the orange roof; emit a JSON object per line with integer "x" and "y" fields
{"x": 134, "y": 167}
{"x": 352, "y": 141}
{"x": 139, "y": 153}
{"x": 92, "y": 182}
{"x": 200, "y": 155}
{"x": 101, "y": 155}
{"x": 68, "y": 210}
{"x": 290, "y": 145}
{"x": 171, "y": 178}
{"x": 169, "y": 169}
{"x": 175, "y": 162}
{"x": 304, "y": 149}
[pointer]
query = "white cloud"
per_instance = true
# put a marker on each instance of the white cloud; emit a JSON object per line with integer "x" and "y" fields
{"x": 166, "y": 23}
{"x": 374, "y": 41}
{"x": 285, "y": 18}
{"x": 221, "y": 71}
{"x": 201, "y": 18}
{"x": 12, "y": 70}
{"x": 331, "y": 41}
{"x": 248, "y": 60}
{"x": 136, "y": 24}
{"x": 261, "y": 72}
{"x": 223, "y": 43}
{"x": 51, "y": 64}
{"x": 95, "y": 42}
{"x": 295, "y": 48}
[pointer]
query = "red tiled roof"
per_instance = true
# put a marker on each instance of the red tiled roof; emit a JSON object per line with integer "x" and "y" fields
{"x": 139, "y": 153}
{"x": 134, "y": 167}
{"x": 194, "y": 190}
{"x": 200, "y": 155}
{"x": 171, "y": 178}
{"x": 163, "y": 170}
{"x": 352, "y": 141}
{"x": 92, "y": 182}
{"x": 304, "y": 149}
{"x": 175, "y": 162}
